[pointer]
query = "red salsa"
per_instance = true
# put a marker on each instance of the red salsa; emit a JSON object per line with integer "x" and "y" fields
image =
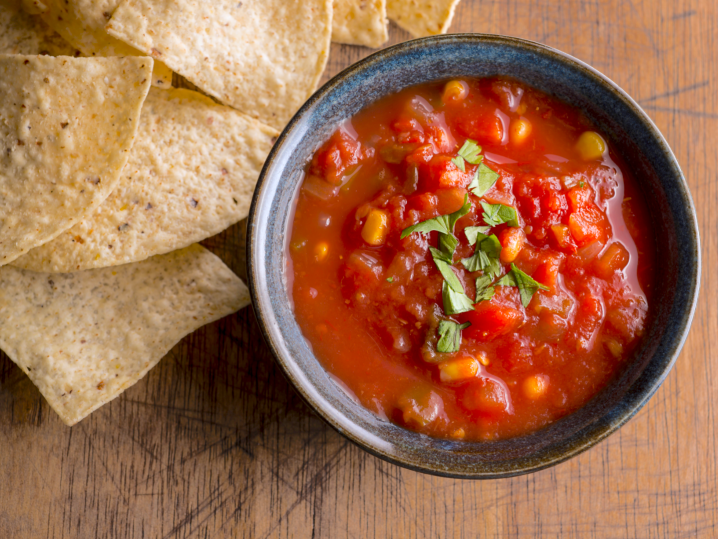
{"x": 470, "y": 259}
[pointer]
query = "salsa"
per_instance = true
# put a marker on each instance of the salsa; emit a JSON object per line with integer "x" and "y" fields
{"x": 471, "y": 259}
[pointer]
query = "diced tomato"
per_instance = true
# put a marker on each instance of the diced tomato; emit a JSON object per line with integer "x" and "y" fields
{"x": 487, "y": 396}
{"x": 512, "y": 241}
{"x": 424, "y": 202}
{"x": 481, "y": 127}
{"x": 340, "y": 153}
{"x": 614, "y": 259}
{"x": 422, "y": 154}
{"x": 450, "y": 200}
{"x": 442, "y": 172}
{"x": 547, "y": 273}
{"x": 490, "y": 320}
{"x": 587, "y": 225}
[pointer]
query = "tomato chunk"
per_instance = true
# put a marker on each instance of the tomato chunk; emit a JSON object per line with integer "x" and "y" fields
{"x": 490, "y": 320}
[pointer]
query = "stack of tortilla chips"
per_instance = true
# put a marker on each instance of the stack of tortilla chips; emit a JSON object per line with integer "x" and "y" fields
{"x": 109, "y": 176}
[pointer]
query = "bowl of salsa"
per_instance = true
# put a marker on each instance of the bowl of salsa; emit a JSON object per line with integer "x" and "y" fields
{"x": 473, "y": 255}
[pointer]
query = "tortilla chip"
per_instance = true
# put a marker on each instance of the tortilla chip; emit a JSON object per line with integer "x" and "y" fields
{"x": 66, "y": 128}
{"x": 262, "y": 57}
{"x": 422, "y": 17}
{"x": 360, "y": 22}
{"x": 82, "y": 23}
{"x": 83, "y": 338}
{"x": 21, "y": 33}
{"x": 191, "y": 174}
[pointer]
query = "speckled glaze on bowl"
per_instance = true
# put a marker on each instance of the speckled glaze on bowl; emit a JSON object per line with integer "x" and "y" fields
{"x": 558, "y": 74}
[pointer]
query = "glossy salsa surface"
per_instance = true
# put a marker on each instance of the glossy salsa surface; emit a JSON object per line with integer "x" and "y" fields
{"x": 536, "y": 324}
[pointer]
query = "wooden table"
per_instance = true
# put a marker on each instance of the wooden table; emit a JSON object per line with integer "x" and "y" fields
{"x": 214, "y": 443}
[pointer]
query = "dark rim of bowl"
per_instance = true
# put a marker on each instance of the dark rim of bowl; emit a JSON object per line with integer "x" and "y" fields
{"x": 587, "y": 437}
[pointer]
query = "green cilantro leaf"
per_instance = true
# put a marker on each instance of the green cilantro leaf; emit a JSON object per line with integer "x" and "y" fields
{"x": 581, "y": 184}
{"x": 484, "y": 179}
{"x": 486, "y": 256}
{"x": 484, "y": 290}
{"x": 390, "y": 279}
{"x": 442, "y": 223}
{"x": 455, "y": 302}
{"x": 447, "y": 244}
{"x": 438, "y": 254}
{"x": 476, "y": 233}
{"x": 496, "y": 214}
{"x": 526, "y": 285}
{"x": 470, "y": 152}
{"x": 444, "y": 268}
{"x": 450, "y": 336}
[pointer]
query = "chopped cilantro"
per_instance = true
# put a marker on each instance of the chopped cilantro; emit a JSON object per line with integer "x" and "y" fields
{"x": 450, "y": 336}
{"x": 390, "y": 279}
{"x": 484, "y": 179}
{"x": 484, "y": 290}
{"x": 444, "y": 268}
{"x": 447, "y": 244}
{"x": 581, "y": 184}
{"x": 526, "y": 285}
{"x": 455, "y": 302}
{"x": 474, "y": 233}
{"x": 470, "y": 152}
{"x": 442, "y": 223}
{"x": 455, "y": 298}
{"x": 496, "y": 214}
{"x": 486, "y": 256}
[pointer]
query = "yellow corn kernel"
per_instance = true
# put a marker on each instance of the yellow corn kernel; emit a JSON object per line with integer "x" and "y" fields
{"x": 455, "y": 91}
{"x": 321, "y": 250}
{"x": 458, "y": 369}
{"x": 613, "y": 346}
{"x": 483, "y": 359}
{"x": 458, "y": 434}
{"x": 520, "y": 130}
{"x": 535, "y": 386}
{"x": 376, "y": 227}
{"x": 591, "y": 146}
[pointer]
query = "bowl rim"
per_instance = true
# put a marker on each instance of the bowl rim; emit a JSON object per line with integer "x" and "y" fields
{"x": 586, "y": 441}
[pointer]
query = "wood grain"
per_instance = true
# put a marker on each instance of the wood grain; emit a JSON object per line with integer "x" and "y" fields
{"x": 214, "y": 443}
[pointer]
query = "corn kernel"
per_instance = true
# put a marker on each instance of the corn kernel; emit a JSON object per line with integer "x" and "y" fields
{"x": 455, "y": 91}
{"x": 591, "y": 146}
{"x": 535, "y": 386}
{"x": 321, "y": 250}
{"x": 483, "y": 359}
{"x": 376, "y": 227}
{"x": 458, "y": 369}
{"x": 458, "y": 434}
{"x": 520, "y": 130}
{"x": 613, "y": 346}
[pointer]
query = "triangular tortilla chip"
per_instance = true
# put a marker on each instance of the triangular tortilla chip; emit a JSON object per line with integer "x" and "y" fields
{"x": 66, "y": 128}
{"x": 82, "y": 23}
{"x": 262, "y": 57}
{"x": 191, "y": 174}
{"x": 21, "y": 33}
{"x": 360, "y": 22}
{"x": 422, "y": 17}
{"x": 83, "y": 338}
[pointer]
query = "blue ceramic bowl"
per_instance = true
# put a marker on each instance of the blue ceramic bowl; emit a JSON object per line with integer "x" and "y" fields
{"x": 558, "y": 74}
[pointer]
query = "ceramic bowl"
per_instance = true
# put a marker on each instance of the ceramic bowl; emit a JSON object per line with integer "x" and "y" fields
{"x": 558, "y": 74}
